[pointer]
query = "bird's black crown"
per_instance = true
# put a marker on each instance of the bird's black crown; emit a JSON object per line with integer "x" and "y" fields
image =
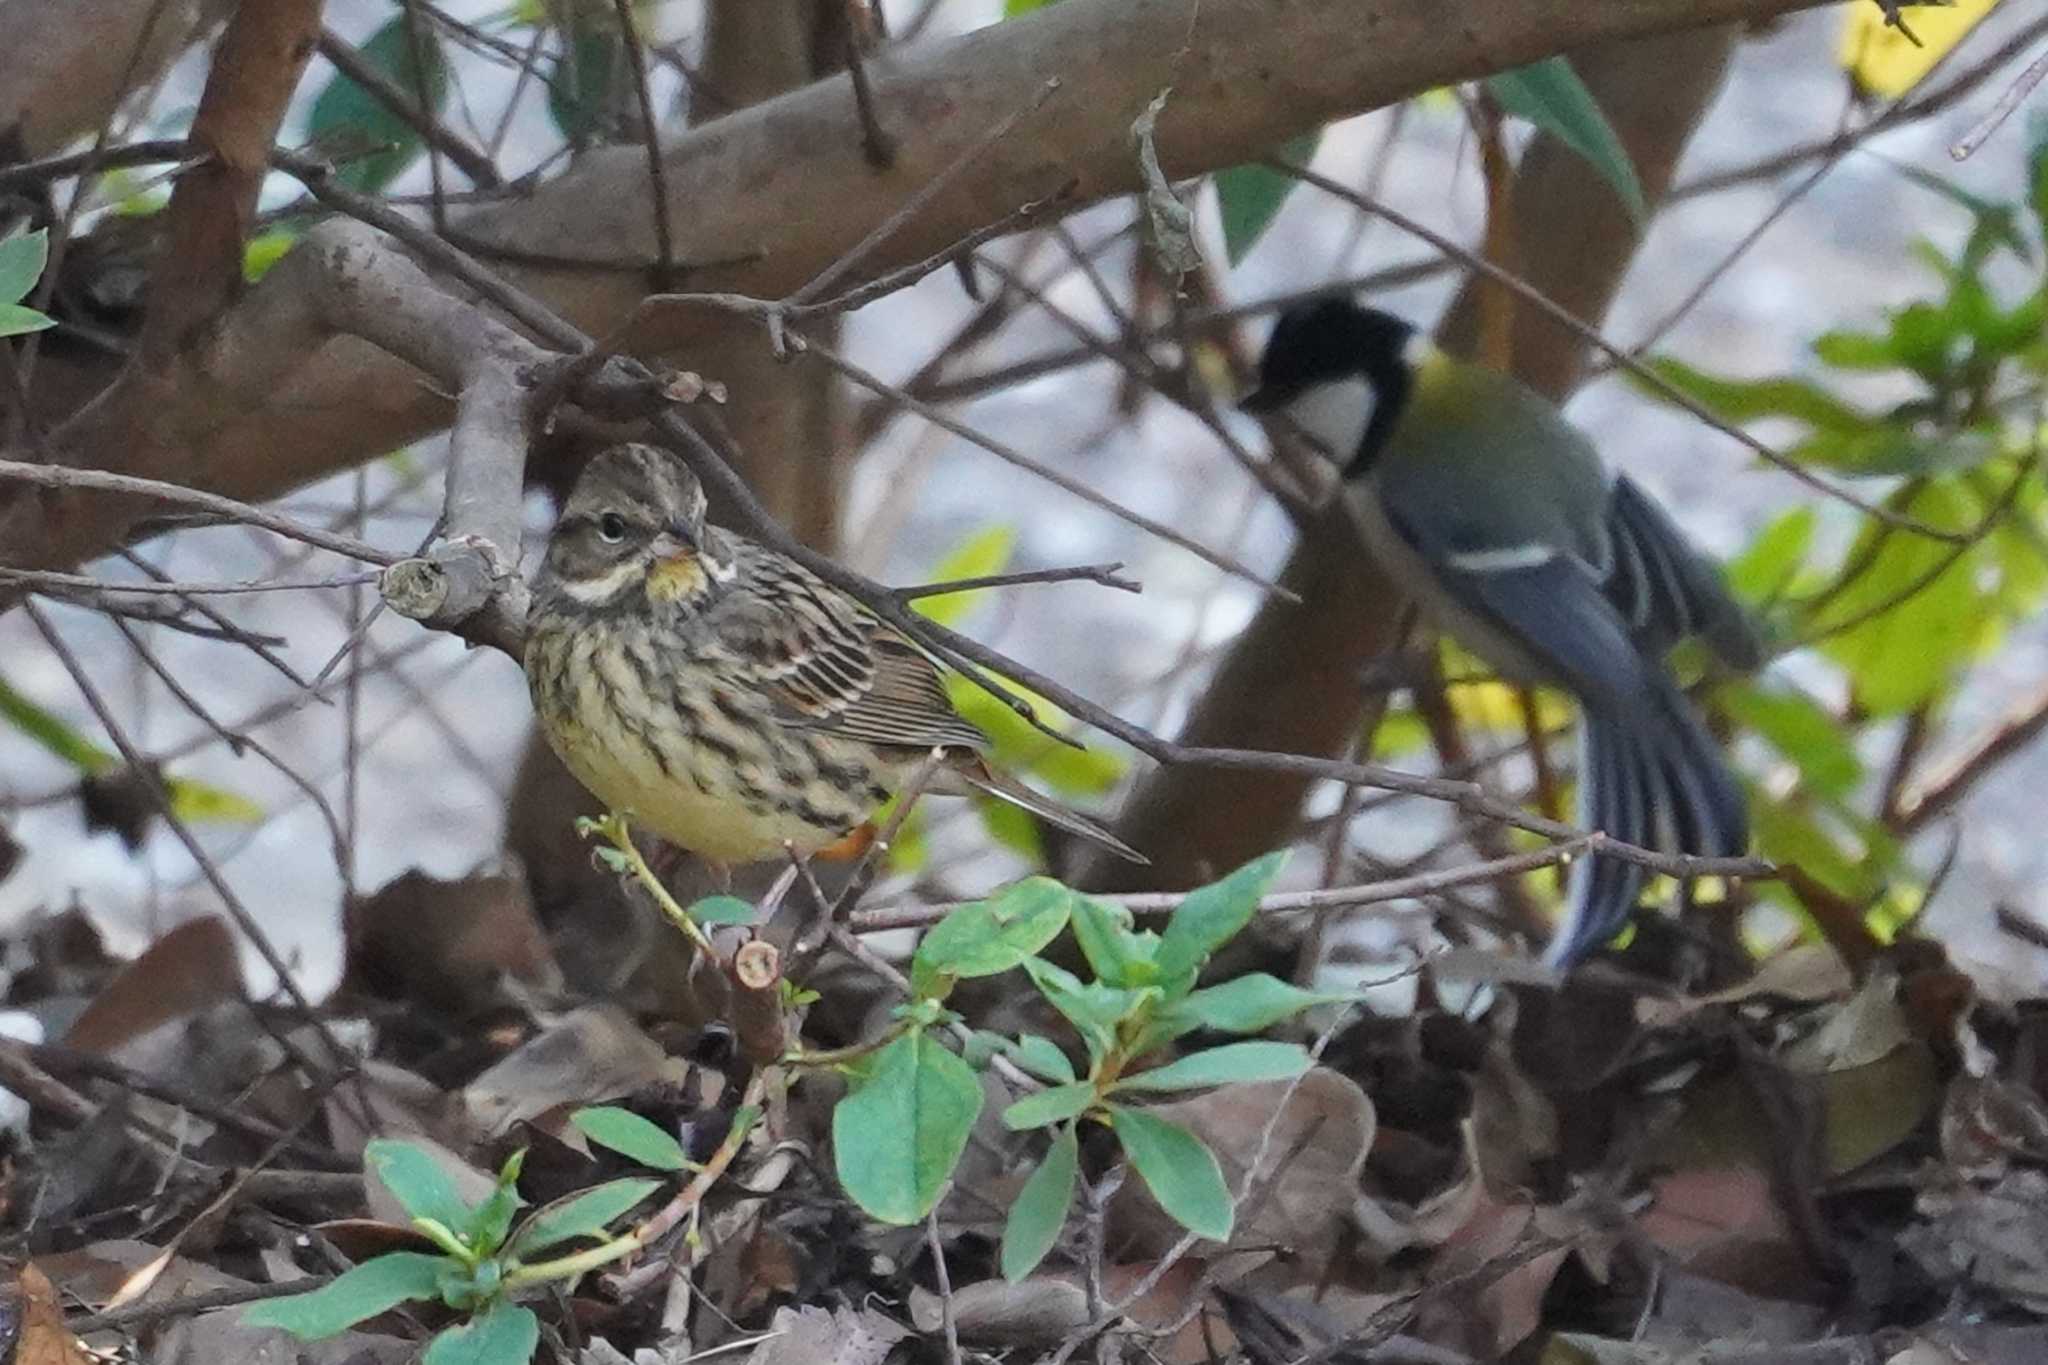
{"x": 1326, "y": 340}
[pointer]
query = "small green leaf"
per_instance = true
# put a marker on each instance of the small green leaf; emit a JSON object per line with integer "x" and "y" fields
{"x": 374, "y": 1287}
{"x": 417, "y": 1181}
{"x": 18, "y": 321}
{"x": 22, "y": 258}
{"x": 987, "y": 937}
{"x": 503, "y": 1334}
{"x": 1056, "y": 1105}
{"x": 1802, "y": 730}
{"x": 724, "y": 910}
{"x": 981, "y": 555}
{"x": 494, "y": 1216}
{"x": 348, "y": 119}
{"x": 586, "y": 1213}
{"x": 265, "y": 250}
{"x": 583, "y": 94}
{"x": 1179, "y": 1170}
{"x": 1040, "y": 1210}
{"x": 46, "y": 729}
{"x": 1249, "y": 197}
{"x": 1771, "y": 563}
{"x": 1116, "y": 955}
{"x": 1550, "y": 95}
{"x": 202, "y": 801}
{"x": 1042, "y": 1058}
{"x": 898, "y": 1136}
{"x": 1927, "y": 614}
{"x": 1211, "y": 916}
{"x": 1013, "y": 8}
{"x": 631, "y": 1136}
{"x": 1094, "y": 1009}
{"x": 1230, "y": 1064}
{"x": 1748, "y": 400}
{"x": 1017, "y": 747}
{"x": 1244, "y": 1004}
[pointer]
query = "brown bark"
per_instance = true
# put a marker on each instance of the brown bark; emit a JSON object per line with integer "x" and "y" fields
{"x": 1291, "y": 681}
{"x": 65, "y": 67}
{"x": 771, "y": 195}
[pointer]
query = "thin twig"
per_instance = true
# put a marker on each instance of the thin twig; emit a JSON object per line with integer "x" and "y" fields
{"x": 2014, "y": 95}
{"x": 945, "y": 1281}
{"x": 153, "y": 788}
{"x": 664, "y": 272}
{"x": 1105, "y": 574}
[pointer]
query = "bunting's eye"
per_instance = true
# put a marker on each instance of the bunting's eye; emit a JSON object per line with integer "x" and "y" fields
{"x": 611, "y": 528}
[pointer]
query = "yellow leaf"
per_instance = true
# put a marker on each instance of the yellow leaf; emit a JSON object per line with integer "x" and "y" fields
{"x": 1883, "y": 61}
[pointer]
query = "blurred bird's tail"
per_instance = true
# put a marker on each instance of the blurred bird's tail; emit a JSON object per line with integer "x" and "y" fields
{"x": 1654, "y": 778}
{"x": 983, "y": 778}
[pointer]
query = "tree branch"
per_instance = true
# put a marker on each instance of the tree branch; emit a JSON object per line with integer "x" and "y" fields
{"x": 1245, "y": 78}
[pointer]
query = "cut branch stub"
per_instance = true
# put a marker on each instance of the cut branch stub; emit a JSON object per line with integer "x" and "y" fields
{"x": 462, "y": 585}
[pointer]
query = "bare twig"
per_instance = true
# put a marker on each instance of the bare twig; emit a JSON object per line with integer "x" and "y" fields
{"x": 664, "y": 272}
{"x": 2014, "y": 95}
{"x": 1105, "y": 574}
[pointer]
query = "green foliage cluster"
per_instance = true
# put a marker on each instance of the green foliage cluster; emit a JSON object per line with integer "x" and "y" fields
{"x": 899, "y": 1132}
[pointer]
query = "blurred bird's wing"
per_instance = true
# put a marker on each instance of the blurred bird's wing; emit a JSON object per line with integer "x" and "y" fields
{"x": 824, "y": 662}
{"x": 1664, "y": 589}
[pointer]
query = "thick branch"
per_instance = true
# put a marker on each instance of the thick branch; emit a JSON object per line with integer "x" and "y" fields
{"x": 62, "y": 66}
{"x": 779, "y": 191}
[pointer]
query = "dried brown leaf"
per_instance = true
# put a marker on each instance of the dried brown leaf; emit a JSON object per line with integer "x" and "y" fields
{"x": 591, "y": 1054}
{"x": 1318, "y": 1145}
{"x": 188, "y": 971}
{"x": 814, "y": 1336}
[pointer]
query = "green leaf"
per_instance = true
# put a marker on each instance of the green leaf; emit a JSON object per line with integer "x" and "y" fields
{"x": 53, "y": 734}
{"x": 1013, "y": 8}
{"x": 201, "y": 801}
{"x": 1211, "y": 916}
{"x": 1771, "y": 563}
{"x": 417, "y": 1181}
{"x": 1249, "y": 196}
{"x": 1927, "y": 622}
{"x": 1748, "y": 400}
{"x": 985, "y": 553}
{"x": 1245, "y": 1004}
{"x": 1230, "y": 1064}
{"x": 347, "y": 119}
{"x": 374, "y": 1287}
{"x": 631, "y": 1136}
{"x": 898, "y": 1136}
{"x": 503, "y": 1334}
{"x": 586, "y": 1213}
{"x": 1179, "y": 1170}
{"x": 1042, "y": 1058}
{"x": 22, "y": 258}
{"x": 583, "y": 94}
{"x": 1802, "y": 730}
{"x": 1016, "y": 747}
{"x": 1040, "y": 1210}
{"x": 987, "y": 937}
{"x": 265, "y": 250}
{"x": 1094, "y": 1009}
{"x": 724, "y": 910}
{"x": 1116, "y": 955}
{"x": 494, "y": 1216}
{"x": 1056, "y": 1105}
{"x": 17, "y": 321}
{"x": 1550, "y": 95}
